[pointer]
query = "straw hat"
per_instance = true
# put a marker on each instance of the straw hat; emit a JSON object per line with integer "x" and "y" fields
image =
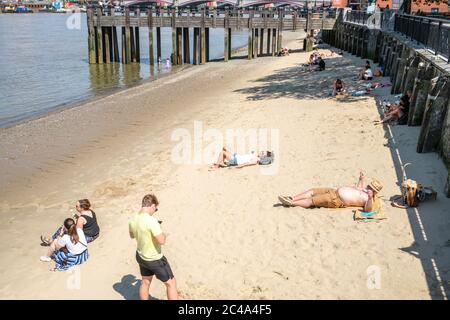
{"x": 376, "y": 185}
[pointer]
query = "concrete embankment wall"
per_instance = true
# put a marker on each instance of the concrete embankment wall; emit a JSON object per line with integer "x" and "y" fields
{"x": 411, "y": 68}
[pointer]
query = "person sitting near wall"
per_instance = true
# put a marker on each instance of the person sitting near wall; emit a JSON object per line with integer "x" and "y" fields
{"x": 320, "y": 64}
{"x": 368, "y": 74}
{"x": 338, "y": 87}
{"x": 399, "y": 112}
{"x": 363, "y": 73}
{"x": 313, "y": 58}
{"x": 283, "y": 52}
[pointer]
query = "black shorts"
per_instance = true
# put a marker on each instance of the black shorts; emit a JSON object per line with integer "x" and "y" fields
{"x": 159, "y": 268}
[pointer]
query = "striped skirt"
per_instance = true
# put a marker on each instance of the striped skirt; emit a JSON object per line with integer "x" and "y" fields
{"x": 66, "y": 260}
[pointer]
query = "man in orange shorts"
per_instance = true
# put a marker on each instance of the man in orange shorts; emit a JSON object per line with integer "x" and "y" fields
{"x": 358, "y": 196}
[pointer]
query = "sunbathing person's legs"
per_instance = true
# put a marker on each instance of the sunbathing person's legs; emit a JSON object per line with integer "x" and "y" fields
{"x": 304, "y": 203}
{"x": 304, "y": 195}
{"x": 223, "y": 155}
{"x": 393, "y": 115}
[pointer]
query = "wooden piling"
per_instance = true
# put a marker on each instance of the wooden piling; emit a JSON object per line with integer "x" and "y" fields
{"x": 420, "y": 93}
{"x": 173, "y": 54}
{"x": 274, "y": 42}
{"x": 127, "y": 36}
{"x": 196, "y": 46}
{"x": 105, "y": 31}
{"x": 116, "y": 45}
{"x": 124, "y": 47}
{"x": 207, "y": 44}
{"x": 226, "y": 43}
{"x": 255, "y": 43}
{"x": 133, "y": 45}
{"x": 179, "y": 52}
{"x": 229, "y": 43}
{"x": 250, "y": 43}
{"x": 91, "y": 36}
{"x": 186, "y": 46}
{"x": 250, "y": 36}
{"x": 434, "y": 115}
{"x": 202, "y": 46}
{"x": 158, "y": 43}
{"x": 137, "y": 44}
{"x": 261, "y": 42}
{"x": 151, "y": 50}
{"x": 99, "y": 37}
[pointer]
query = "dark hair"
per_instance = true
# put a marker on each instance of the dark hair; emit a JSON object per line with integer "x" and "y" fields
{"x": 84, "y": 204}
{"x": 149, "y": 200}
{"x": 71, "y": 227}
{"x": 338, "y": 80}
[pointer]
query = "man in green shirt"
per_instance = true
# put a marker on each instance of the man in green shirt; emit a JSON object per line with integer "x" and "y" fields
{"x": 146, "y": 229}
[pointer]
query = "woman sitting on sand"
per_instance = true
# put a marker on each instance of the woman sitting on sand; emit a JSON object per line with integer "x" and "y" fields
{"x": 69, "y": 249}
{"x": 85, "y": 219}
{"x": 228, "y": 159}
{"x": 338, "y": 87}
{"x": 397, "y": 111}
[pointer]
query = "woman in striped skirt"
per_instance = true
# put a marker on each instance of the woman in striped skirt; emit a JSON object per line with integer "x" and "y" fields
{"x": 68, "y": 250}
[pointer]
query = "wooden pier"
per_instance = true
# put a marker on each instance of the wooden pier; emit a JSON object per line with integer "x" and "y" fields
{"x": 262, "y": 25}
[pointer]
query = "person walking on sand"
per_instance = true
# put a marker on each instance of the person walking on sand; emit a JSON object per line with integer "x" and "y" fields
{"x": 357, "y": 196}
{"x": 146, "y": 229}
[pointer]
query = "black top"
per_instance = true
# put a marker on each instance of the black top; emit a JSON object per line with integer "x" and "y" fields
{"x": 91, "y": 228}
{"x": 321, "y": 64}
{"x": 404, "y": 104}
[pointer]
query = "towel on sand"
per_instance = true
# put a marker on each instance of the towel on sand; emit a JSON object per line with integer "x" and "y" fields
{"x": 376, "y": 214}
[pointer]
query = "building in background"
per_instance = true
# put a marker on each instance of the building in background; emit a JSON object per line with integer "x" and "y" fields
{"x": 429, "y": 6}
{"x": 339, "y": 3}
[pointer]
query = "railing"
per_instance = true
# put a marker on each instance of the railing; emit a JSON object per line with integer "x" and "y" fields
{"x": 432, "y": 33}
{"x": 359, "y": 17}
{"x": 287, "y": 12}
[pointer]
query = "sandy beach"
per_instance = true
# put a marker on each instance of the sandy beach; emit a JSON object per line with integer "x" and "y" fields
{"x": 227, "y": 236}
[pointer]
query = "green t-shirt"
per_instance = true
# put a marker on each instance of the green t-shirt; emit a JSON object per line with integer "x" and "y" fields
{"x": 144, "y": 227}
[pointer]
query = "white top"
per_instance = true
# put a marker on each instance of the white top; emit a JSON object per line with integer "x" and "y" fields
{"x": 244, "y": 158}
{"x": 368, "y": 73}
{"x": 74, "y": 248}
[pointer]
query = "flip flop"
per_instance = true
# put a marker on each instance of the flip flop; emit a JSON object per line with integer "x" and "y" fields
{"x": 285, "y": 201}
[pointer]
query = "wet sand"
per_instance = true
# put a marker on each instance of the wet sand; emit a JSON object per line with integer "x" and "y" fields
{"x": 227, "y": 237}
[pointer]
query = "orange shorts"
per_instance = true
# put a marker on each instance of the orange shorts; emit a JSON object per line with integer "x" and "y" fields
{"x": 326, "y": 198}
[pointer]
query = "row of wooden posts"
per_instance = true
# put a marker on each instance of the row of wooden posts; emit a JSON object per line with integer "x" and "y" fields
{"x": 411, "y": 69}
{"x": 104, "y": 46}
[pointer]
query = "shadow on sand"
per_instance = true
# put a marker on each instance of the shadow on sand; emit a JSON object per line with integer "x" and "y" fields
{"x": 430, "y": 221}
{"x": 300, "y": 82}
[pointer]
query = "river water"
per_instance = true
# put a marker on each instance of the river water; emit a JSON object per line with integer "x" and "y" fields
{"x": 44, "y": 64}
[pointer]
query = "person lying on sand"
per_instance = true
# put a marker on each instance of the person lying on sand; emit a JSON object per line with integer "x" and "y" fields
{"x": 69, "y": 248}
{"x": 396, "y": 112}
{"x": 338, "y": 87}
{"x": 228, "y": 159}
{"x": 358, "y": 196}
{"x": 85, "y": 218}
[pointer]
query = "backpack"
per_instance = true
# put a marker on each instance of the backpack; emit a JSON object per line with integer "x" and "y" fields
{"x": 413, "y": 193}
